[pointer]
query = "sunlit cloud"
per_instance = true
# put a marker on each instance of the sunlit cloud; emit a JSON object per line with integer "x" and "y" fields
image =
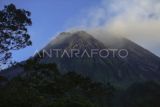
{"x": 138, "y": 20}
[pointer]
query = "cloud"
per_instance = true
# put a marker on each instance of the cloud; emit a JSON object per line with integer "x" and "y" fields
{"x": 138, "y": 20}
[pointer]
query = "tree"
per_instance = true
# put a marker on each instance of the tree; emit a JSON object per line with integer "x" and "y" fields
{"x": 13, "y": 31}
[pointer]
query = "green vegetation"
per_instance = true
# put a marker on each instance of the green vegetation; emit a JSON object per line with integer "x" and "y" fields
{"x": 43, "y": 86}
{"x": 13, "y": 31}
{"x": 142, "y": 95}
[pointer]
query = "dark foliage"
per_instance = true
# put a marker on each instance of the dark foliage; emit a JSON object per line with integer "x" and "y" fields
{"x": 43, "y": 86}
{"x": 13, "y": 31}
{"x": 145, "y": 94}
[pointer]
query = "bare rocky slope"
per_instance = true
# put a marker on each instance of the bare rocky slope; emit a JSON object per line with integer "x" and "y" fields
{"x": 139, "y": 65}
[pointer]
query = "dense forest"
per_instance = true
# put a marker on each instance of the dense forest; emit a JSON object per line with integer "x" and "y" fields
{"x": 42, "y": 85}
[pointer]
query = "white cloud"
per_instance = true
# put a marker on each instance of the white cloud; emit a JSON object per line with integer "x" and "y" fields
{"x": 138, "y": 20}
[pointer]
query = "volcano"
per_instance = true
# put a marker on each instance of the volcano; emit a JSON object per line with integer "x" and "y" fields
{"x": 139, "y": 64}
{"x": 109, "y": 66}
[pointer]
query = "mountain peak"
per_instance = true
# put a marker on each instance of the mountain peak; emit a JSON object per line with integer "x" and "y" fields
{"x": 81, "y": 32}
{"x": 64, "y": 33}
{"x": 115, "y": 70}
{"x": 71, "y": 38}
{"x": 139, "y": 65}
{"x": 82, "y": 35}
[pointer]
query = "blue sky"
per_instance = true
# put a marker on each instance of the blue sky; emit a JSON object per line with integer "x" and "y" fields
{"x": 49, "y": 17}
{"x": 129, "y": 18}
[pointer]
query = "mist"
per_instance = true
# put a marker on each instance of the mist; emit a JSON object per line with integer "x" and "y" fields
{"x": 137, "y": 20}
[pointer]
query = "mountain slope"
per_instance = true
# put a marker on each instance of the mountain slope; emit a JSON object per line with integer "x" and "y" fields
{"x": 139, "y": 65}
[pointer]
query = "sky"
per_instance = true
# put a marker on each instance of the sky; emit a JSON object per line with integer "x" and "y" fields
{"x": 138, "y": 20}
{"x": 49, "y": 17}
